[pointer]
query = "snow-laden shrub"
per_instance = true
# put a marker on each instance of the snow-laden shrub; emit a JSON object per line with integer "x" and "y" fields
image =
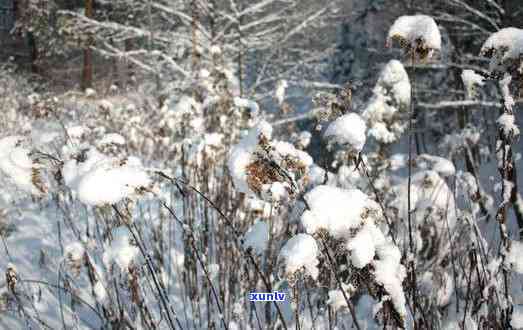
{"x": 17, "y": 164}
{"x": 418, "y": 34}
{"x": 433, "y": 212}
{"x": 385, "y": 113}
{"x": 504, "y": 48}
{"x": 348, "y": 130}
{"x": 100, "y": 180}
{"x": 442, "y": 166}
{"x": 336, "y": 211}
{"x": 271, "y": 170}
{"x": 337, "y": 300}
{"x": 120, "y": 250}
{"x": 471, "y": 80}
{"x": 350, "y": 216}
{"x": 299, "y": 256}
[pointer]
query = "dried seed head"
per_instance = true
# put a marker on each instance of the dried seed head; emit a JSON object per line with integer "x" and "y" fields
{"x": 11, "y": 277}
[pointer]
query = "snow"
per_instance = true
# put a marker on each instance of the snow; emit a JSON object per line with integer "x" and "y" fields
{"x": 361, "y": 247}
{"x": 390, "y": 273}
{"x": 300, "y": 253}
{"x": 257, "y": 237}
{"x": 208, "y": 146}
{"x": 254, "y": 158}
{"x": 16, "y": 164}
{"x": 120, "y": 251}
{"x": 215, "y": 50}
{"x": 89, "y": 92}
{"x": 108, "y": 183}
{"x": 432, "y": 205}
{"x": 508, "y": 126}
{"x": 76, "y": 131}
{"x": 280, "y": 91}
{"x": 99, "y": 291}
{"x": 285, "y": 149}
{"x": 415, "y": 28}
{"x": 391, "y": 96}
{"x": 241, "y": 155}
{"x": 398, "y": 161}
{"x": 348, "y": 129}
{"x": 337, "y": 300}
{"x": 304, "y": 139}
{"x": 44, "y": 132}
{"x": 101, "y": 180}
{"x": 249, "y": 104}
{"x": 74, "y": 251}
{"x": 349, "y": 177}
{"x": 503, "y": 45}
{"x": 514, "y": 257}
{"x": 105, "y": 105}
{"x": 505, "y": 91}
{"x": 380, "y": 132}
{"x": 442, "y": 166}
{"x": 395, "y": 81}
{"x": 336, "y": 210}
{"x": 517, "y": 317}
{"x": 186, "y": 105}
{"x": 276, "y": 191}
{"x": 438, "y": 286}
{"x": 112, "y": 138}
{"x": 471, "y": 80}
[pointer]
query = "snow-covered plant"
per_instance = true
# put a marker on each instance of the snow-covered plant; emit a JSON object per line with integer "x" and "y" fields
{"x": 504, "y": 48}
{"x": 299, "y": 256}
{"x": 16, "y": 162}
{"x": 336, "y": 211}
{"x": 100, "y": 180}
{"x": 349, "y": 131}
{"x": 471, "y": 81}
{"x": 433, "y": 211}
{"x": 120, "y": 251}
{"x": 332, "y": 106}
{"x": 418, "y": 35}
{"x": 352, "y": 218}
{"x": 271, "y": 170}
{"x": 385, "y": 112}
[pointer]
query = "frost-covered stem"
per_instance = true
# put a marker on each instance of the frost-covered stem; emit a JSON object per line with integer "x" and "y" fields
{"x": 23, "y": 289}
{"x": 213, "y": 289}
{"x": 475, "y": 173}
{"x": 505, "y": 167}
{"x": 517, "y": 202}
{"x": 410, "y": 258}
{"x": 338, "y": 281}
{"x": 268, "y": 287}
{"x": 150, "y": 268}
{"x": 310, "y": 306}
{"x": 239, "y": 245}
{"x": 452, "y": 256}
{"x": 76, "y": 297}
{"x": 192, "y": 239}
{"x": 469, "y": 282}
{"x": 268, "y": 265}
{"x": 378, "y": 198}
{"x": 296, "y": 307}
{"x": 60, "y": 301}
